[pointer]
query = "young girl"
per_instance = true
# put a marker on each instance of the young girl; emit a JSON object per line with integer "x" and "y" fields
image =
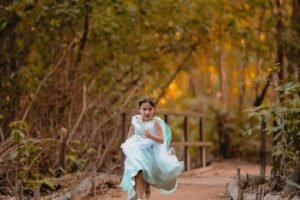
{"x": 148, "y": 156}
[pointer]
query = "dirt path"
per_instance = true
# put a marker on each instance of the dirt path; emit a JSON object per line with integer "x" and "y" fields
{"x": 201, "y": 184}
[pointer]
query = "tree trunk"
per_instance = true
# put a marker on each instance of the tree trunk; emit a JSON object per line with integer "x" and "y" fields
{"x": 222, "y": 75}
{"x": 83, "y": 40}
{"x": 258, "y": 52}
{"x": 242, "y": 81}
{"x": 293, "y": 52}
{"x": 280, "y": 44}
{"x": 242, "y": 94}
{"x": 281, "y": 73}
{"x": 8, "y": 60}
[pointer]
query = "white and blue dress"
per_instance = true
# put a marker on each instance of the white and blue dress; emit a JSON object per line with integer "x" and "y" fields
{"x": 158, "y": 162}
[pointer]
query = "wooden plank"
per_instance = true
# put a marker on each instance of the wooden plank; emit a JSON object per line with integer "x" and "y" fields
{"x": 187, "y": 114}
{"x": 164, "y": 112}
{"x": 199, "y": 144}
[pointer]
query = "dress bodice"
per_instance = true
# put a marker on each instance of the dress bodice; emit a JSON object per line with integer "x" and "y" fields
{"x": 139, "y": 126}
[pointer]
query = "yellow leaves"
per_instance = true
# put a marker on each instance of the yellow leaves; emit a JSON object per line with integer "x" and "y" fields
{"x": 213, "y": 73}
{"x": 234, "y": 74}
{"x": 247, "y": 7}
{"x": 174, "y": 91}
{"x": 163, "y": 101}
{"x": 243, "y": 42}
{"x": 195, "y": 38}
{"x": 252, "y": 74}
{"x": 178, "y": 35}
{"x": 248, "y": 83}
{"x": 170, "y": 23}
{"x": 211, "y": 69}
{"x": 227, "y": 46}
{"x": 243, "y": 23}
{"x": 262, "y": 36}
{"x": 235, "y": 91}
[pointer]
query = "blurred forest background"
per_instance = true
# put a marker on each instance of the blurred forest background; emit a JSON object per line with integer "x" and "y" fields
{"x": 68, "y": 67}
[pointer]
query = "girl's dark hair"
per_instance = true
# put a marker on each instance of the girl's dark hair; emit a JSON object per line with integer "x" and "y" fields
{"x": 146, "y": 99}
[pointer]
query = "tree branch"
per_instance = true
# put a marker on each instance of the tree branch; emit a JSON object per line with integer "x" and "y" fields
{"x": 45, "y": 79}
{"x": 179, "y": 68}
{"x": 261, "y": 97}
{"x": 80, "y": 116}
{"x": 85, "y": 31}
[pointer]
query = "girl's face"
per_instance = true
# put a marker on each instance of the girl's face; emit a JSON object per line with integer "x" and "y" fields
{"x": 147, "y": 111}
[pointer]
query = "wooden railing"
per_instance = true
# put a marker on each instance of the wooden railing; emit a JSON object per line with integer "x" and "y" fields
{"x": 201, "y": 145}
{"x": 186, "y": 143}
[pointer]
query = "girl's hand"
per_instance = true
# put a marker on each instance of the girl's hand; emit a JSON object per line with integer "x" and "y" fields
{"x": 147, "y": 133}
{"x": 159, "y": 137}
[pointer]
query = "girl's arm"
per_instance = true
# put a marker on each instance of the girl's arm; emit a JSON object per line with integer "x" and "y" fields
{"x": 130, "y": 132}
{"x": 159, "y": 138}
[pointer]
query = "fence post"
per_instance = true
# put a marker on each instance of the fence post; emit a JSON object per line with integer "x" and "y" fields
{"x": 201, "y": 136}
{"x": 19, "y": 191}
{"x": 186, "y": 150}
{"x": 94, "y": 181}
{"x": 123, "y": 126}
{"x": 238, "y": 177}
{"x": 123, "y": 134}
{"x": 203, "y": 156}
{"x": 166, "y": 118}
{"x": 72, "y": 192}
{"x": 262, "y": 153}
{"x": 36, "y": 193}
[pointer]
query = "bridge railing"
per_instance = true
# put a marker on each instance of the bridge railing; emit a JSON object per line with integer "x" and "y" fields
{"x": 186, "y": 144}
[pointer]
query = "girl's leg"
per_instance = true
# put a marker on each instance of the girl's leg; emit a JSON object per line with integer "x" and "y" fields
{"x": 139, "y": 181}
{"x": 147, "y": 190}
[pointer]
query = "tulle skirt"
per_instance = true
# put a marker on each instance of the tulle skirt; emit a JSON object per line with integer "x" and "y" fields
{"x": 159, "y": 166}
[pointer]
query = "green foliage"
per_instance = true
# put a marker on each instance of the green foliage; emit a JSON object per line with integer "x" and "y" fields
{"x": 19, "y": 129}
{"x": 283, "y": 122}
{"x": 74, "y": 156}
{"x": 45, "y": 182}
